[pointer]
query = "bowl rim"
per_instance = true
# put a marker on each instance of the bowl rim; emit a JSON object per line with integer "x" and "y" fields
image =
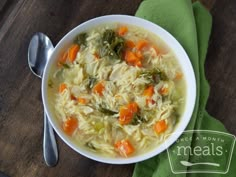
{"x": 157, "y": 30}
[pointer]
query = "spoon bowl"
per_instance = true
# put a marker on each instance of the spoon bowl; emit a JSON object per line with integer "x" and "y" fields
{"x": 39, "y": 51}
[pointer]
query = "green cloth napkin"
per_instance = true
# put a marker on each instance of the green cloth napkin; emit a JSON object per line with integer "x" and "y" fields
{"x": 191, "y": 25}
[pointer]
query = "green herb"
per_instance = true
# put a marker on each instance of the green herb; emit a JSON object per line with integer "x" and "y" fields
{"x": 102, "y": 108}
{"x": 148, "y": 75}
{"x": 92, "y": 81}
{"x": 66, "y": 66}
{"x": 50, "y": 83}
{"x": 109, "y": 36}
{"x": 154, "y": 75}
{"x": 162, "y": 75}
{"x": 165, "y": 98}
{"x": 119, "y": 46}
{"x": 106, "y": 111}
{"x": 81, "y": 39}
{"x": 90, "y": 145}
{"x": 137, "y": 119}
{"x": 111, "y": 44}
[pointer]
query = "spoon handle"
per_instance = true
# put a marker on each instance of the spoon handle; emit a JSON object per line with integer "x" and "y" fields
{"x": 50, "y": 152}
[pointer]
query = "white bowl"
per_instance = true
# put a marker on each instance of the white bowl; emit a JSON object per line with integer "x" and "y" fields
{"x": 184, "y": 62}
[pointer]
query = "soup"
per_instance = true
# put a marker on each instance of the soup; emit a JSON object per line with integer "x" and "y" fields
{"x": 117, "y": 90}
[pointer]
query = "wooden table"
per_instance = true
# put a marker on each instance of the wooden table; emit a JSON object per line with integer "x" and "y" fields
{"x": 21, "y": 110}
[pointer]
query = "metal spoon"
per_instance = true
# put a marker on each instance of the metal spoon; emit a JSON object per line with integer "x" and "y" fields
{"x": 39, "y": 51}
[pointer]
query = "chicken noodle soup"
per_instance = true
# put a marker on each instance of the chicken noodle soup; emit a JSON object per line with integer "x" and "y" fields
{"x": 117, "y": 90}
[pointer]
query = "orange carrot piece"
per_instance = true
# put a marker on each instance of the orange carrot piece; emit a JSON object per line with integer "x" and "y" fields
{"x": 70, "y": 125}
{"x": 122, "y": 30}
{"x": 151, "y": 101}
{"x": 129, "y": 44}
{"x": 73, "y": 50}
{"x": 99, "y": 88}
{"x": 141, "y": 44}
{"x": 133, "y": 107}
{"x": 82, "y": 100}
{"x": 124, "y": 147}
{"x": 139, "y": 54}
{"x": 72, "y": 97}
{"x": 178, "y": 76}
{"x": 160, "y": 126}
{"x": 127, "y": 113}
{"x": 138, "y": 63}
{"x": 149, "y": 91}
{"x": 163, "y": 91}
{"x": 125, "y": 116}
{"x": 62, "y": 87}
{"x": 131, "y": 57}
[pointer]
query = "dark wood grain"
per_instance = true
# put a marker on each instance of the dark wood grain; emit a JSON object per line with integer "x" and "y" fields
{"x": 221, "y": 64}
{"x": 21, "y": 111}
{"x": 2, "y": 4}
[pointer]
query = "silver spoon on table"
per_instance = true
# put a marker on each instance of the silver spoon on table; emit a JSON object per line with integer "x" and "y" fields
{"x": 39, "y": 51}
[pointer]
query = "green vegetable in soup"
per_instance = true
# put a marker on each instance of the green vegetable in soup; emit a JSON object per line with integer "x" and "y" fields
{"x": 148, "y": 75}
{"x": 119, "y": 47}
{"x": 106, "y": 111}
{"x": 154, "y": 75}
{"x": 92, "y": 82}
{"x": 64, "y": 65}
{"x": 50, "y": 83}
{"x": 161, "y": 75}
{"x": 112, "y": 44}
{"x": 81, "y": 39}
{"x": 109, "y": 36}
{"x": 137, "y": 119}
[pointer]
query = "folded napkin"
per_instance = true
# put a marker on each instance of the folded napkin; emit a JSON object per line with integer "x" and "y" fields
{"x": 191, "y": 25}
